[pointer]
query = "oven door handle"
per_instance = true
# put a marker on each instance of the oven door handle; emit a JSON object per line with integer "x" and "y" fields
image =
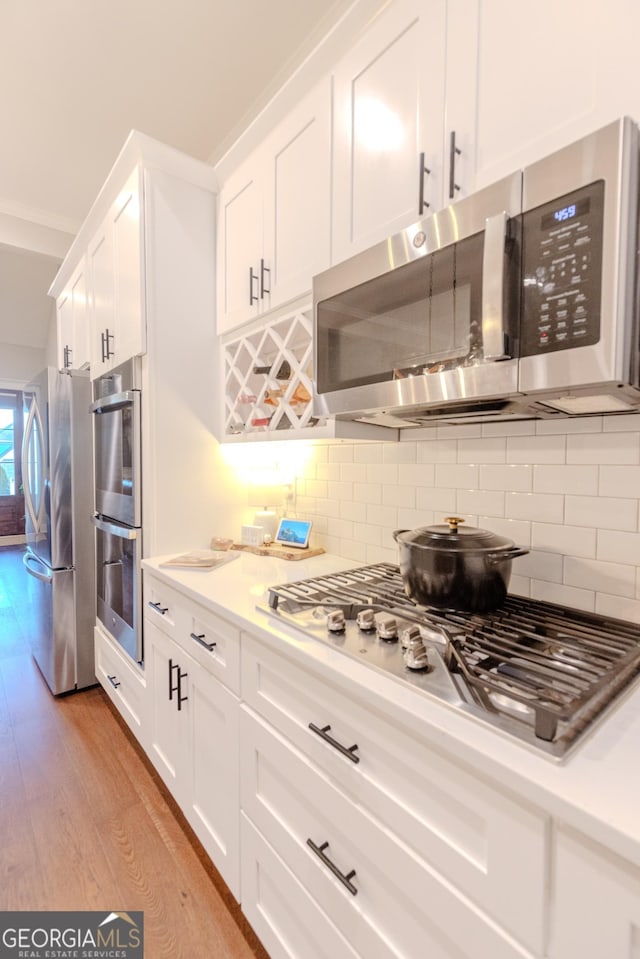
{"x": 495, "y": 342}
{"x": 114, "y": 529}
{"x": 107, "y": 404}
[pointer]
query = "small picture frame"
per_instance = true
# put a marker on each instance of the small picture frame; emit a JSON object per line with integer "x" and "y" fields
{"x": 293, "y": 532}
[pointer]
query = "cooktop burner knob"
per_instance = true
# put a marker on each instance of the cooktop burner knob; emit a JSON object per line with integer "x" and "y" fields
{"x": 414, "y": 653}
{"x": 387, "y": 627}
{"x": 335, "y": 621}
{"x": 365, "y": 620}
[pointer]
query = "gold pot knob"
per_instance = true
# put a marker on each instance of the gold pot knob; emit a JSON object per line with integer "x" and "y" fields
{"x": 453, "y": 522}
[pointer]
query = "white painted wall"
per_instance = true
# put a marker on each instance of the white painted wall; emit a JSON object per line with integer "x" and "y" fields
{"x": 18, "y": 364}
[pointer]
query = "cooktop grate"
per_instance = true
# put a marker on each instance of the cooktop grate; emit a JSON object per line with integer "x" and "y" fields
{"x": 534, "y": 663}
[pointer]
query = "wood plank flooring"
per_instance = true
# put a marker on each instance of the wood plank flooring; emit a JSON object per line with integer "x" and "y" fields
{"x": 85, "y": 822}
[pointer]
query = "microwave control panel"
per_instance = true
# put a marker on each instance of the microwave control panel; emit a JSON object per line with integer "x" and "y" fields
{"x": 562, "y": 272}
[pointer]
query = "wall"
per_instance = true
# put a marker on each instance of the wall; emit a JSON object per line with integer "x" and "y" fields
{"x": 569, "y": 491}
{"x": 18, "y": 364}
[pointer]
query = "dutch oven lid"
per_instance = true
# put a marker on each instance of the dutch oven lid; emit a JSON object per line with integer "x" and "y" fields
{"x": 451, "y": 536}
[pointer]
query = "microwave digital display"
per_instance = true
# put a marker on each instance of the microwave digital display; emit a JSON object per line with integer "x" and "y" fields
{"x": 562, "y": 214}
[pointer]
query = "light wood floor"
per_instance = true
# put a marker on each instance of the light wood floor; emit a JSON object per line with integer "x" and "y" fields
{"x": 85, "y": 823}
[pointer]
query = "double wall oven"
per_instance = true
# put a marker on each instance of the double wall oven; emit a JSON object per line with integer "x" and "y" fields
{"x": 118, "y": 504}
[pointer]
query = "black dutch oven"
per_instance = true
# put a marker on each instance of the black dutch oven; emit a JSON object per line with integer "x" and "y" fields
{"x": 456, "y": 568}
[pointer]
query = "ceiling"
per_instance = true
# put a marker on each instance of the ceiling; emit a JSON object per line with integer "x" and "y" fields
{"x": 77, "y": 77}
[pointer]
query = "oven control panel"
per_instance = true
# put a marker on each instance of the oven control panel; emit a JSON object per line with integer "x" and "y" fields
{"x": 562, "y": 272}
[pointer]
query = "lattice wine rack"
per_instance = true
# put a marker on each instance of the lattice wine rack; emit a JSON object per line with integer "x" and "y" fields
{"x": 267, "y": 376}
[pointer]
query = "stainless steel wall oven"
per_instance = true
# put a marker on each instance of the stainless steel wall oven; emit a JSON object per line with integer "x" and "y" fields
{"x": 117, "y": 518}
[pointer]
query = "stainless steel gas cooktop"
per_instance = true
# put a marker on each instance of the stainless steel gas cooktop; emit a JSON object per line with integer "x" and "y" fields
{"x": 540, "y": 672}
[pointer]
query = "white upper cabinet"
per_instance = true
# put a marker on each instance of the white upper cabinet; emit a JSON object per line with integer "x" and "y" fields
{"x": 274, "y": 215}
{"x": 389, "y": 125}
{"x": 73, "y": 326}
{"x": 116, "y": 269}
{"x": 541, "y": 76}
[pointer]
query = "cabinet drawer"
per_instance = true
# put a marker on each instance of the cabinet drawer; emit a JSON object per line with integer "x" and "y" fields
{"x": 123, "y": 682}
{"x": 472, "y": 833}
{"x": 289, "y": 923}
{"x": 213, "y": 643}
{"x": 384, "y": 899}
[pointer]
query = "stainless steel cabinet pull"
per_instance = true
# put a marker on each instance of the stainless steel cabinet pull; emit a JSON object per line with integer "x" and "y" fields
{"x": 347, "y": 751}
{"x": 263, "y": 288}
{"x": 107, "y": 352}
{"x": 159, "y": 608}
{"x": 200, "y": 639}
{"x": 253, "y": 278}
{"x": 67, "y": 353}
{"x": 422, "y": 169}
{"x": 453, "y": 152}
{"x": 345, "y": 880}
{"x": 114, "y": 682}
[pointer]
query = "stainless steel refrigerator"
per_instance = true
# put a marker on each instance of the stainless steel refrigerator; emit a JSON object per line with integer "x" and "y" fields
{"x": 57, "y": 474}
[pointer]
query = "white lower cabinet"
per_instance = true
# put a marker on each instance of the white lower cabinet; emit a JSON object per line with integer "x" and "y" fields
{"x": 596, "y": 902}
{"x": 124, "y": 682}
{"x": 193, "y": 743}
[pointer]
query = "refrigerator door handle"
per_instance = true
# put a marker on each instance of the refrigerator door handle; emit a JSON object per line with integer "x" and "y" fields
{"x": 114, "y": 529}
{"x": 26, "y": 440}
{"x": 27, "y": 560}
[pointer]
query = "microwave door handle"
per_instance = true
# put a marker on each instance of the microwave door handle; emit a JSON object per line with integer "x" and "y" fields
{"x": 494, "y": 336}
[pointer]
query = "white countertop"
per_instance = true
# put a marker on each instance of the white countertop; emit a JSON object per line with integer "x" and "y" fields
{"x": 596, "y": 789}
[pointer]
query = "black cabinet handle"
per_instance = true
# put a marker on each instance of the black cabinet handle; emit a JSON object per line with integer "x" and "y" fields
{"x": 422, "y": 169}
{"x": 173, "y": 689}
{"x": 181, "y": 699}
{"x": 67, "y": 354}
{"x": 345, "y": 880}
{"x": 200, "y": 639}
{"x": 114, "y": 682}
{"x": 159, "y": 608}
{"x": 453, "y": 152}
{"x": 263, "y": 288}
{"x": 253, "y": 278}
{"x": 177, "y": 688}
{"x": 347, "y": 751}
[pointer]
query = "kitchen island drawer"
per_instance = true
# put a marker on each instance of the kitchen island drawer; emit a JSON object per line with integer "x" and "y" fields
{"x": 209, "y": 639}
{"x": 472, "y": 832}
{"x": 123, "y": 681}
{"x": 385, "y": 900}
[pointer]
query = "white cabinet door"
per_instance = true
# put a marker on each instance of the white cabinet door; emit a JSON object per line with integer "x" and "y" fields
{"x": 73, "y": 322}
{"x": 123, "y": 681}
{"x": 389, "y": 109}
{"x": 116, "y": 264}
{"x": 537, "y": 87}
{"x": 297, "y": 235}
{"x": 596, "y": 906}
{"x": 167, "y": 734}
{"x": 241, "y": 246}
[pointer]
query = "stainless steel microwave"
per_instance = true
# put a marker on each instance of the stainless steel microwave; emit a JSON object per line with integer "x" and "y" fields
{"x": 518, "y": 301}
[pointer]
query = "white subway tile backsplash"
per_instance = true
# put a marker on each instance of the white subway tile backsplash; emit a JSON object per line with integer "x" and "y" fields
{"x": 540, "y": 565}
{"x": 517, "y": 530}
{"x": 416, "y": 474}
{"x": 438, "y": 451}
{"x": 618, "y": 608}
{"x": 616, "y": 546}
{"x": 620, "y": 481}
{"x": 568, "y": 490}
{"x": 367, "y": 492}
{"x": 437, "y": 499}
{"x": 612, "y": 578}
{"x": 536, "y": 449}
{"x": 399, "y": 496}
{"x": 485, "y": 449}
{"x": 546, "y": 507}
{"x": 404, "y": 452}
{"x": 565, "y": 479}
{"x": 457, "y": 476}
{"x": 490, "y": 502}
{"x": 606, "y": 448}
{"x": 563, "y": 595}
{"x": 507, "y": 477}
{"x": 576, "y": 541}
{"x": 603, "y": 512}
